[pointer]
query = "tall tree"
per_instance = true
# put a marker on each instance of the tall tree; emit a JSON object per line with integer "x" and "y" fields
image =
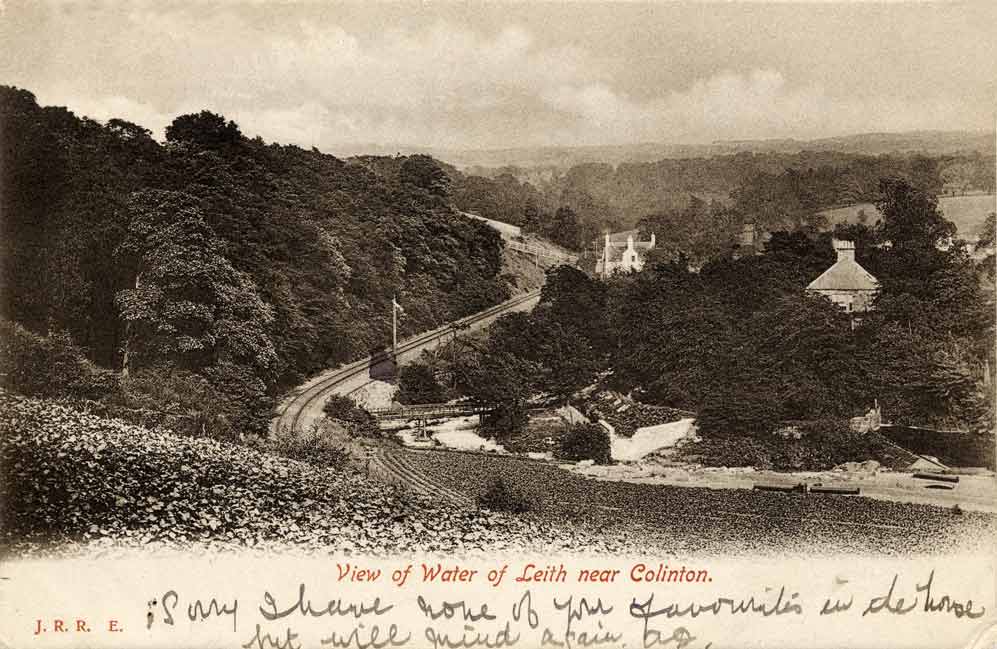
{"x": 188, "y": 308}
{"x": 424, "y": 172}
{"x": 910, "y": 217}
{"x": 205, "y": 129}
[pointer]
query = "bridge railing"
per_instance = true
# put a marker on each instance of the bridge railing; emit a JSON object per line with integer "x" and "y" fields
{"x": 429, "y": 410}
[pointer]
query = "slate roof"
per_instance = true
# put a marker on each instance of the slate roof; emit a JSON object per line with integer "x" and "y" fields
{"x": 845, "y": 275}
{"x": 619, "y": 240}
{"x": 621, "y": 237}
{"x": 618, "y": 245}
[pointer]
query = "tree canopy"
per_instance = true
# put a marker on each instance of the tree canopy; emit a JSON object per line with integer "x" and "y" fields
{"x": 245, "y": 264}
{"x": 742, "y": 343}
{"x": 205, "y": 129}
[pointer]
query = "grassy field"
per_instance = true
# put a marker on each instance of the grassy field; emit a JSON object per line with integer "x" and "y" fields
{"x": 967, "y": 212}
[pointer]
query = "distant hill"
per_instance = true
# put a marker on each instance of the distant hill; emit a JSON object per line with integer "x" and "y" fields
{"x": 932, "y": 143}
{"x": 926, "y": 142}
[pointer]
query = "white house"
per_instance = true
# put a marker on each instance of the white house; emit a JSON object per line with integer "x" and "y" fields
{"x": 621, "y": 251}
{"x": 846, "y": 283}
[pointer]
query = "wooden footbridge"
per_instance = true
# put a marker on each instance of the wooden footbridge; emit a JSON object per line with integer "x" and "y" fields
{"x": 419, "y": 416}
{"x": 430, "y": 411}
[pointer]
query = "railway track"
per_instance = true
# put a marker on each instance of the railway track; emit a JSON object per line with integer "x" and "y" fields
{"x": 395, "y": 466}
{"x": 304, "y": 406}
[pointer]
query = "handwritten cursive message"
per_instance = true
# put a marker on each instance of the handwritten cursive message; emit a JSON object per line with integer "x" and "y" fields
{"x": 646, "y": 604}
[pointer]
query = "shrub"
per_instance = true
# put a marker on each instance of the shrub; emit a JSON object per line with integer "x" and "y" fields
{"x": 221, "y": 402}
{"x": 731, "y": 451}
{"x": 49, "y": 366}
{"x": 356, "y": 420}
{"x": 586, "y": 442}
{"x": 244, "y": 399}
{"x": 417, "y": 384}
{"x": 339, "y": 407}
{"x": 501, "y": 498}
{"x": 738, "y": 412}
{"x": 183, "y": 401}
{"x": 825, "y": 444}
{"x": 504, "y": 420}
{"x": 314, "y": 446}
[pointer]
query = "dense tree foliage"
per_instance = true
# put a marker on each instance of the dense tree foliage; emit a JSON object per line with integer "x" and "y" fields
{"x": 205, "y": 129}
{"x": 986, "y": 244}
{"x": 247, "y": 265}
{"x": 695, "y": 234}
{"x": 696, "y": 206}
{"x": 417, "y": 384}
{"x": 217, "y": 269}
{"x": 742, "y": 343}
{"x": 548, "y": 354}
{"x": 586, "y": 442}
{"x": 503, "y": 379}
{"x": 502, "y": 198}
{"x": 739, "y": 342}
{"x": 425, "y": 173}
{"x": 49, "y": 366}
{"x": 189, "y": 307}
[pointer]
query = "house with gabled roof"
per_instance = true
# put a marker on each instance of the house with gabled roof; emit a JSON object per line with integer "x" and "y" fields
{"x": 622, "y": 251}
{"x": 846, "y": 283}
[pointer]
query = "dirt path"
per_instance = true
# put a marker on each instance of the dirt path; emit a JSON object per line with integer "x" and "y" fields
{"x": 971, "y": 493}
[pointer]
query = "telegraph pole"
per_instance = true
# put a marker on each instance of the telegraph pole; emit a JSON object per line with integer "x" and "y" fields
{"x": 394, "y": 327}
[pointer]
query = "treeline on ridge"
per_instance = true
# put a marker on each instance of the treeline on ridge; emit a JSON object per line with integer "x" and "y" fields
{"x": 697, "y": 203}
{"x": 211, "y": 271}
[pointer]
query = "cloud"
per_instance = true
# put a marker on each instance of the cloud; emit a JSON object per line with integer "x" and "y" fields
{"x": 759, "y": 103}
{"x": 105, "y": 107}
{"x": 308, "y": 77}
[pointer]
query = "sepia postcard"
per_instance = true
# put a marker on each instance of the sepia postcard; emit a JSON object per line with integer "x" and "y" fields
{"x": 460, "y": 325}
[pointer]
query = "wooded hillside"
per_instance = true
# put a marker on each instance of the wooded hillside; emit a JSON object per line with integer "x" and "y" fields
{"x": 701, "y": 202}
{"x": 743, "y": 344}
{"x": 217, "y": 269}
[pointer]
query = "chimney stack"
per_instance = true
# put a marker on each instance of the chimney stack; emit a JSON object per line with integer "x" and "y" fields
{"x": 845, "y": 249}
{"x": 748, "y": 235}
{"x": 605, "y": 258}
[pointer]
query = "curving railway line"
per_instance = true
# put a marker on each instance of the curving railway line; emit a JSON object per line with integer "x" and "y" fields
{"x": 303, "y": 407}
{"x": 408, "y": 468}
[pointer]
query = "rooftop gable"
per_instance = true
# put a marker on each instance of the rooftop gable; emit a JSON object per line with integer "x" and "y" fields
{"x": 845, "y": 275}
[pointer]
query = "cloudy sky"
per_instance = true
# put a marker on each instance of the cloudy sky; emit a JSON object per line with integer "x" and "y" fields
{"x": 470, "y": 76}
